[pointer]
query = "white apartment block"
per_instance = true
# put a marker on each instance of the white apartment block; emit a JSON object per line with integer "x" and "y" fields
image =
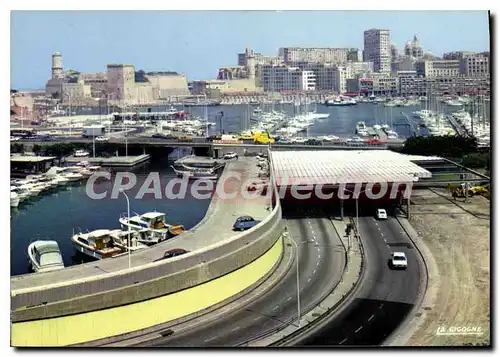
{"x": 308, "y": 81}
{"x": 360, "y": 67}
{"x": 340, "y": 76}
{"x": 284, "y": 78}
{"x": 438, "y": 68}
{"x": 294, "y": 55}
{"x": 377, "y": 49}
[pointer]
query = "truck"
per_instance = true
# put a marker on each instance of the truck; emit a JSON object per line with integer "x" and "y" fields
{"x": 93, "y": 131}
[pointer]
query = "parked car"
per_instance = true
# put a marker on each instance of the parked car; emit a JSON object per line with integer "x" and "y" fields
{"x": 245, "y": 222}
{"x": 48, "y": 138}
{"x": 314, "y": 142}
{"x": 102, "y": 138}
{"x": 230, "y": 155}
{"x": 381, "y": 214}
{"x": 398, "y": 260}
{"x": 172, "y": 253}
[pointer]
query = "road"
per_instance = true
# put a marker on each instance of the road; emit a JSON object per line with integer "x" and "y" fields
{"x": 321, "y": 262}
{"x": 385, "y": 297}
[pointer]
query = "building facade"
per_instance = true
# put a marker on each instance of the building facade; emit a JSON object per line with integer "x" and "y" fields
{"x": 475, "y": 66}
{"x": 438, "y": 68}
{"x": 377, "y": 49}
{"x": 285, "y": 78}
{"x": 355, "y": 55}
{"x": 294, "y": 55}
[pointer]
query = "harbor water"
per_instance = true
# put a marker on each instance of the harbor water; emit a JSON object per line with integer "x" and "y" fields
{"x": 56, "y": 215}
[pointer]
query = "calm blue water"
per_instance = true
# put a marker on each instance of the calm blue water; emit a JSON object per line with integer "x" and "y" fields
{"x": 55, "y": 215}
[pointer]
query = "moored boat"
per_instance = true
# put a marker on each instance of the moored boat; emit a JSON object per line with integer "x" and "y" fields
{"x": 152, "y": 227}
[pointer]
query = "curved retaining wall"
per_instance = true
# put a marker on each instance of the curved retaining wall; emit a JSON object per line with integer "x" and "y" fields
{"x": 95, "y": 325}
{"x": 150, "y": 280}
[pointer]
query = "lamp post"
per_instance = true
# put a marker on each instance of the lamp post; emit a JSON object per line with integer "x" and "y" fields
{"x": 128, "y": 226}
{"x": 357, "y": 215}
{"x": 69, "y": 112}
{"x": 298, "y": 286}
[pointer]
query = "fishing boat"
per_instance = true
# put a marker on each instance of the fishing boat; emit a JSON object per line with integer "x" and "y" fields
{"x": 152, "y": 227}
{"x": 45, "y": 255}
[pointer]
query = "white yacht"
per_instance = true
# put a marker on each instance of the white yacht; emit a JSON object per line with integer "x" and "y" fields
{"x": 44, "y": 255}
{"x": 21, "y": 192}
{"x": 361, "y": 128}
{"x": 152, "y": 226}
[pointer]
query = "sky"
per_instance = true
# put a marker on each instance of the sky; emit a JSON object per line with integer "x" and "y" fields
{"x": 197, "y": 43}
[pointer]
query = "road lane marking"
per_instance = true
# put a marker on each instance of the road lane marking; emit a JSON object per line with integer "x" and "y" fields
{"x": 257, "y": 318}
{"x": 380, "y": 306}
{"x": 235, "y": 329}
{"x": 289, "y": 299}
{"x": 341, "y": 342}
{"x": 371, "y": 318}
{"x": 308, "y": 280}
{"x": 360, "y": 327}
{"x": 317, "y": 263}
{"x": 210, "y": 339}
{"x": 314, "y": 272}
{"x": 276, "y": 307}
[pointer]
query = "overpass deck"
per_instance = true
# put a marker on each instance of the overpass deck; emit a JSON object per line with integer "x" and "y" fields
{"x": 214, "y": 228}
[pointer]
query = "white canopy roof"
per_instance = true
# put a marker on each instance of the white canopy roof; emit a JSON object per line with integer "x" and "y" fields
{"x": 345, "y": 167}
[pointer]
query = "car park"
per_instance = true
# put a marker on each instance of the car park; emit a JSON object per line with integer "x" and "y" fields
{"x": 398, "y": 260}
{"x": 244, "y": 222}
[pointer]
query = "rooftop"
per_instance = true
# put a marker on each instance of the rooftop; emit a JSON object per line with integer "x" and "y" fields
{"x": 21, "y": 158}
{"x": 346, "y": 167}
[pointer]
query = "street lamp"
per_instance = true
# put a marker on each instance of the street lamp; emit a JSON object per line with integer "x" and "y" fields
{"x": 297, "y": 266}
{"x": 357, "y": 214}
{"x": 128, "y": 225}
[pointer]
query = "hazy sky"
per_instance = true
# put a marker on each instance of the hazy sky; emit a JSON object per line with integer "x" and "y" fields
{"x": 197, "y": 43}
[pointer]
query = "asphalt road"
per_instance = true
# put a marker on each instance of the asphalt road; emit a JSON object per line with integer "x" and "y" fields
{"x": 321, "y": 262}
{"x": 385, "y": 297}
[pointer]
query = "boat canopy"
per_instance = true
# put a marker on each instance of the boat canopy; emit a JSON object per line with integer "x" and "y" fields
{"x": 152, "y": 215}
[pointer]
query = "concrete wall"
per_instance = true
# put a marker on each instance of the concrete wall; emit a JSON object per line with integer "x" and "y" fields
{"x": 151, "y": 280}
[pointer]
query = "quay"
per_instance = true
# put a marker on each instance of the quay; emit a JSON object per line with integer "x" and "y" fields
{"x": 125, "y": 161}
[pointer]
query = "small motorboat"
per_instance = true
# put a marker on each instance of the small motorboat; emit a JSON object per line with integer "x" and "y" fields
{"x": 45, "y": 255}
{"x": 97, "y": 244}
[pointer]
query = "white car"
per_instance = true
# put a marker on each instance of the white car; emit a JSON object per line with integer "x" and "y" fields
{"x": 230, "y": 155}
{"x": 102, "y": 138}
{"x": 398, "y": 260}
{"x": 15, "y": 138}
{"x": 381, "y": 214}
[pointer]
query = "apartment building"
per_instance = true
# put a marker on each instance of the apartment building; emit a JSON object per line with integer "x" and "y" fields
{"x": 438, "y": 68}
{"x": 475, "y": 66}
{"x": 284, "y": 78}
{"x": 377, "y": 49}
{"x": 294, "y": 55}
